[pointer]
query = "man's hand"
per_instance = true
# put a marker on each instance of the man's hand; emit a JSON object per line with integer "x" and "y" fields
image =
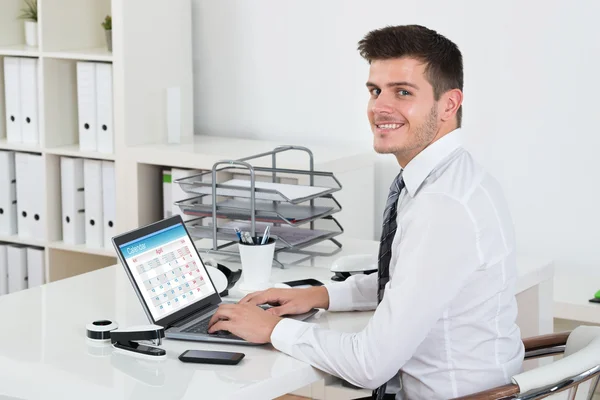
{"x": 290, "y": 301}
{"x": 247, "y": 321}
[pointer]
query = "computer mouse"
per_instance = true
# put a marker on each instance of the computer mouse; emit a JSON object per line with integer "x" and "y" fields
{"x": 597, "y": 295}
{"x": 356, "y": 263}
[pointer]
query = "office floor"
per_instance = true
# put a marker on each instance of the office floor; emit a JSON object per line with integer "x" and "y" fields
{"x": 559, "y": 326}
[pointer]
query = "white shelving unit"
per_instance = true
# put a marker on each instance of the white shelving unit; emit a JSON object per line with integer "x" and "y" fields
{"x": 70, "y": 31}
{"x": 152, "y": 52}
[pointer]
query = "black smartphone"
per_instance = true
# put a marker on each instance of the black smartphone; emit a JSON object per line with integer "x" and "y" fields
{"x": 211, "y": 357}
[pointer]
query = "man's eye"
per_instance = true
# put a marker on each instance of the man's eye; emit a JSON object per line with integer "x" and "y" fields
{"x": 375, "y": 92}
{"x": 403, "y": 92}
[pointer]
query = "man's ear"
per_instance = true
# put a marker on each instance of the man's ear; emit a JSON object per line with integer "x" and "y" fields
{"x": 451, "y": 102}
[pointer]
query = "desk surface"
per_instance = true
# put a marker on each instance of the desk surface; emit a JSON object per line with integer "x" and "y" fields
{"x": 45, "y": 354}
{"x": 571, "y": 297}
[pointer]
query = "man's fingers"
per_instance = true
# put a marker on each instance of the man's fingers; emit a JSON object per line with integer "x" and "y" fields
{"x": 223, "y": 312}
{"x": 221, "y": 325}
{"x": 281, "y": 310}
{"x": 248, "y": 297}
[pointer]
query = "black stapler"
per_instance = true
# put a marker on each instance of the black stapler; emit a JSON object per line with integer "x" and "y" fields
{"x": 126, "y": 339}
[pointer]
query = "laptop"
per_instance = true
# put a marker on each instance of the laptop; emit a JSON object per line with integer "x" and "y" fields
{"x": 171, "y": 281}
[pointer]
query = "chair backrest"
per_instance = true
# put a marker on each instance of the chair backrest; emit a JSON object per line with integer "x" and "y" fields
{"x": 575, "y": 376}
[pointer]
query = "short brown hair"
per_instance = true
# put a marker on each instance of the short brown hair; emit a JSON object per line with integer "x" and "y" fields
{"x": 444, "y": 69}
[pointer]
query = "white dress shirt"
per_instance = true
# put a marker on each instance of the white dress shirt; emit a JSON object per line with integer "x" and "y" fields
{"x": 447, "y": 324}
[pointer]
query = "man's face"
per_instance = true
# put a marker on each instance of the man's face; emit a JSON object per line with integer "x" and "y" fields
{"x": 402, "y": 111}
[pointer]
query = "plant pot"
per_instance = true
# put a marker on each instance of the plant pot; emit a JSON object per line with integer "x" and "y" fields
{"x": 31, "y": 33}
{"x": 108, "y": 39}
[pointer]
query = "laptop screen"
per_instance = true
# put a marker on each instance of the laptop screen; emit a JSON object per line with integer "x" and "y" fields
{"x": 167, "y": 270}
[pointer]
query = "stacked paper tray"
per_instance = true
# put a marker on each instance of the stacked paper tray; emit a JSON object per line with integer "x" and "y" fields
{"x": 287, "y": 237}
{"x": 265, "y": 211}
{"x": 241, "y": 188}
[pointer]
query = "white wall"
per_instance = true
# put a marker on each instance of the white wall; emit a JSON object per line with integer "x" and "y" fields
{"x": 287, "y": 69}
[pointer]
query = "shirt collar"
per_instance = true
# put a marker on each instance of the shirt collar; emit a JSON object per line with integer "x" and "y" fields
{"x": 419, "y": 168}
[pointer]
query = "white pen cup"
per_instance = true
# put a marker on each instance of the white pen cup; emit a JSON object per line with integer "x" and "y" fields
{"x": 257, "y": 261}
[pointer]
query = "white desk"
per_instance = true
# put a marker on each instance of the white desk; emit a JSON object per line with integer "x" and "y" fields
{"x": 44, "y": 352}
{"x": 572, "y": 294}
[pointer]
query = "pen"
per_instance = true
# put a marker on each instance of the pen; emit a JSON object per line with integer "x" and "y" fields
{"x": 266, "y": 235}
{"x": 239, "y": 234}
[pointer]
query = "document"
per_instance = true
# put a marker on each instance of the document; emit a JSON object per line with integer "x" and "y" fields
{"x": 291, "y": 192}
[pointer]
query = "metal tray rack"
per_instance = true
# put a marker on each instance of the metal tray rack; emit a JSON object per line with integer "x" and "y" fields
{"x": 252, "y": 205}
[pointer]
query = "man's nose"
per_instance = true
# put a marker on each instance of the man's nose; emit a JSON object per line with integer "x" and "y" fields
{"x": 382, "y": 105}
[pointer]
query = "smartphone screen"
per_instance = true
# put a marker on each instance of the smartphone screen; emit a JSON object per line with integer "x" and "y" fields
{"x": 211, "y": 357}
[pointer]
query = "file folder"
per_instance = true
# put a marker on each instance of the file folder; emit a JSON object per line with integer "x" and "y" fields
{"x": 109, "y": 202}
{"x": 167, "y": 196}
{"x": 104, "y": 109}
{"x": 29, "y": 100}
{"x": 12, "y": 80}
{"x": 8, "y": 194}
{"x": 17, "y": 268}
{"x": 94, "y": 219}
{"x": 36, "y": 197}
{"x": 36, "y": 270}
{"x": 86, "y": 106}
{"x": 24, "y": 196}
{"x": 3, "y": 269}
{"x": 72, "y": 200}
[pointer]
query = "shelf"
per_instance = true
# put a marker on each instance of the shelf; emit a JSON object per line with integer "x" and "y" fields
{"x": 203, "y": 151}
{"x": 19, "y": 50}
{"x": 24, "y": 241}
{"x": 96, "y": 54}
{"x": 73, "y": 151}
{"x": 81, "y": 248}
{"x": 6, "y": 145}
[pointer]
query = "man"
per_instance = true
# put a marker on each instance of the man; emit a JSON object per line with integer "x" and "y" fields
{"x": 445, "y": 326}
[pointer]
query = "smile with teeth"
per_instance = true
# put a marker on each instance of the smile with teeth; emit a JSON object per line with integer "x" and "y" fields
{"x": 389, "y": 126}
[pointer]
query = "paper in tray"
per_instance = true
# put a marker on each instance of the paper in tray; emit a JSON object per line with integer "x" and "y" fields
{"x": 291, "y": 192}
{"x": 266, "y": 211}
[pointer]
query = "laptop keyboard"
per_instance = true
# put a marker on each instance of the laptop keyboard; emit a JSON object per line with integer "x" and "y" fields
{"x": 202, "y": 327}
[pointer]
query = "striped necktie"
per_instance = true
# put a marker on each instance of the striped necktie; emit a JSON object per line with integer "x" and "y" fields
{"x": 385, "y": 249}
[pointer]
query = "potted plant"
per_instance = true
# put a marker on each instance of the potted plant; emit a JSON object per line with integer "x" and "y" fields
{"x": 30, "y": 15}
{"x": 107, "y": 25}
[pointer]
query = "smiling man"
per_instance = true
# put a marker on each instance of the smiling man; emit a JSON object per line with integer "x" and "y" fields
{"x": 444, "y": 296}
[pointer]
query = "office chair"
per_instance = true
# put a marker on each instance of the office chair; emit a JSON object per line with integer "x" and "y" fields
{"x": 573, "y": 377}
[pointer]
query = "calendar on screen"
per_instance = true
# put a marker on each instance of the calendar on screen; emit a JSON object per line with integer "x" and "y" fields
{"x": 167, "y": 271}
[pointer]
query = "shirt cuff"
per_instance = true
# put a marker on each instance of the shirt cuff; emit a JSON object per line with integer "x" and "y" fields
{"x": 286, "y": 334}
{"x": 340, "y": 298}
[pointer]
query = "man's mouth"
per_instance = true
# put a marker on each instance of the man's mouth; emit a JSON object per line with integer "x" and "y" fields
{"x": 389, "y": 126}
